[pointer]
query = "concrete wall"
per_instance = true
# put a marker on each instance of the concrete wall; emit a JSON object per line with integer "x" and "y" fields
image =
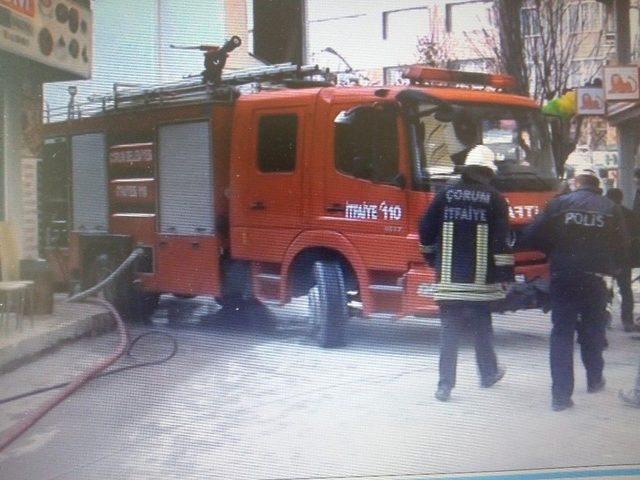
{"x": 12, "y": 148}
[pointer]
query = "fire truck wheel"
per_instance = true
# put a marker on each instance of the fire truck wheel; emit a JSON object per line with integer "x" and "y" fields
{"x": 328, "y": 304}
{"x": 133, "y": 305}
{"x": 145, "y": 305}
{"x": 236, "y": 288}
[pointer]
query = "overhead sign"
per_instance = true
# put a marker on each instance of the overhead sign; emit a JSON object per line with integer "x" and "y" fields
{"x": 621, "y": 83}
{"x": 57, "y": 33}
{"x": 591, "y": 101}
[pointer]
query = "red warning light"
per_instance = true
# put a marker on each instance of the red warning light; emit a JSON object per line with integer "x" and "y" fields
{"x": 422, "y": 74}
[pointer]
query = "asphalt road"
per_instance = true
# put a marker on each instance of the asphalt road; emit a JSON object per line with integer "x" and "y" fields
{"x": 255, "y": 399}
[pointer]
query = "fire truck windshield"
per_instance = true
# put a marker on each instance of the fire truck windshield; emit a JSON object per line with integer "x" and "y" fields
{"x": 519, "y": 138}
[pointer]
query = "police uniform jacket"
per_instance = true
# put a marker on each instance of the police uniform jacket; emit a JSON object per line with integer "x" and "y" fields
{"x": 581, "y": 231}
{"x": 464, "y": 234}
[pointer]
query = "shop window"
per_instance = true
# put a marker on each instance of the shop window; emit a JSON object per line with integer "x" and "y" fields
{"x": 277, "y": 138}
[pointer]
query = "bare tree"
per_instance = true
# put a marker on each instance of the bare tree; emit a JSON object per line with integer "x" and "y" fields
{"x": 539, "y": 43}
{"x": 435, "y": 48}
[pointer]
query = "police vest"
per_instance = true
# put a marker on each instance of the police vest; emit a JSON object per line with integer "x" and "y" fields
{"x": 581, "y": 231}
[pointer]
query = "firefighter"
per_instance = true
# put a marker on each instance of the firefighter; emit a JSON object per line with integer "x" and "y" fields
{"x": 463, "y": 234}
{"x": 584, "y": 236}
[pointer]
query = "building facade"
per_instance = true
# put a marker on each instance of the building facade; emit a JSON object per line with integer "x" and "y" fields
{"x": 40, "y": 41}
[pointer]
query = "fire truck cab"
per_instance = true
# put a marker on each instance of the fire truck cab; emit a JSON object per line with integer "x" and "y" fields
{"x": 296, "y": 188}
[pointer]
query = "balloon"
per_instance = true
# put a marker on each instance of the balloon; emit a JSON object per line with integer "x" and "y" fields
{"x": 564, "y": 106}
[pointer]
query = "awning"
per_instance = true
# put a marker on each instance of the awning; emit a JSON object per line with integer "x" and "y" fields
{"x": 620, "y": 112}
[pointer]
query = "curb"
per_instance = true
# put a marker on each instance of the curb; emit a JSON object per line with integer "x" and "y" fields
{"x": 27, "y": 349}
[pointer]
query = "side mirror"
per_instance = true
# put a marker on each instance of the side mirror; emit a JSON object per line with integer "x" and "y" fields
{"x": 400, "y": 181}
{"x": 345, "y": 117}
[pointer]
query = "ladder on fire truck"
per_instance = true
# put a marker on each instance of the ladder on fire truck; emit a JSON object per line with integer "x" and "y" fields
{"x": 193, "y": 90}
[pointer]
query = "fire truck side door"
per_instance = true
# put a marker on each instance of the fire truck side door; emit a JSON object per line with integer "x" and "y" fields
{"x": 267, "y": 209}
{"x": 187, "y": 248}
{"x": 364, "y": 185}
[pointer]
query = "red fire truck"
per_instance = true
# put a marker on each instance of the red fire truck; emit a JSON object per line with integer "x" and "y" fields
{"x": 269, "y": 185}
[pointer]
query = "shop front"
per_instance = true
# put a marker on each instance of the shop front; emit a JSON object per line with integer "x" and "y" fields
{"x": 622, "y": 93}
{"x": 40, "y": 41}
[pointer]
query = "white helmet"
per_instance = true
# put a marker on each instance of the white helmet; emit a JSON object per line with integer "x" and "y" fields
{"x": 589, "y": 172}
{"x": 481, "y": 156}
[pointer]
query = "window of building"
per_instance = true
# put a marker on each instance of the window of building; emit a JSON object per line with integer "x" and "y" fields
{"x": 530, "y": 21}
{"x": 277, "y": 139}
{"x": 405, "y": 26}
{"x": 366, "y": 144}
{"x": 468, "y": 16}
{"x": 475, "y": 65}
{"x": 592, "y": 16}
{"x": 584, "y": 71}
{"x": 585, "y": 16}
{"x": 284, "y": 43}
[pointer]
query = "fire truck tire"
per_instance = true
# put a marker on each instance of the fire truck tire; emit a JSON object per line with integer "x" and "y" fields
{"x": 328, "y": 304}
{"x": 121, "y": 293}
{"x": 146, "y": 304}
{"x": 114, "y": 293}
{"x": 236, "y": 289}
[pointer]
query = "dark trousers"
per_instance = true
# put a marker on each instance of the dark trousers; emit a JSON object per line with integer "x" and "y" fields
{"x": 624, "y": 285}
{"x": 578, "y": 303}
{"x": 454, "y": 318}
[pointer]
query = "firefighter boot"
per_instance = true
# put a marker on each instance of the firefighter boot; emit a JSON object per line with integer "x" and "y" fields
{"x": 493, "y": 379}
{"x": 443, "y": 393}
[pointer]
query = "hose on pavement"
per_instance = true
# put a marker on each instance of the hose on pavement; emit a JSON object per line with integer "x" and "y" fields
{"x": 124, "y": 346}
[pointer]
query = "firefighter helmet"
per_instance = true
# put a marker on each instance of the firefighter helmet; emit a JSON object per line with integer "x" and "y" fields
{"x": 481, "y": 156}
{"x": 587, "y": 172}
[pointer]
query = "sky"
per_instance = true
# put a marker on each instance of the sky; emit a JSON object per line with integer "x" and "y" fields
{"x": 131, "y": 44}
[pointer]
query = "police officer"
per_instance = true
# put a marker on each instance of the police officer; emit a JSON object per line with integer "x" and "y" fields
{"x": 583, "y": 234}
{"x": 623, "y": 279}
{"x": 464, "y": 235}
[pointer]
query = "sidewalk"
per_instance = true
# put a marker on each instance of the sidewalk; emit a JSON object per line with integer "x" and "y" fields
{"x": 68, "y": 322}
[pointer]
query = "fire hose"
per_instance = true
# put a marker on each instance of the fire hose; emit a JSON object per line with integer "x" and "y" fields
{"x": 97, "y": 370}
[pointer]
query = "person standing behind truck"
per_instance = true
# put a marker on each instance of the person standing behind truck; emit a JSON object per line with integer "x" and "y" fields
{"x": 636, "y": 198}
{"x": 464, "y": 235}
{"x": 624, "y": 278}
{"x": 584, "y": 236}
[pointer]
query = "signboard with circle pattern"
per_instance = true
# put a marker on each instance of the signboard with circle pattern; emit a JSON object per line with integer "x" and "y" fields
{"x": 57, "y": 33}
